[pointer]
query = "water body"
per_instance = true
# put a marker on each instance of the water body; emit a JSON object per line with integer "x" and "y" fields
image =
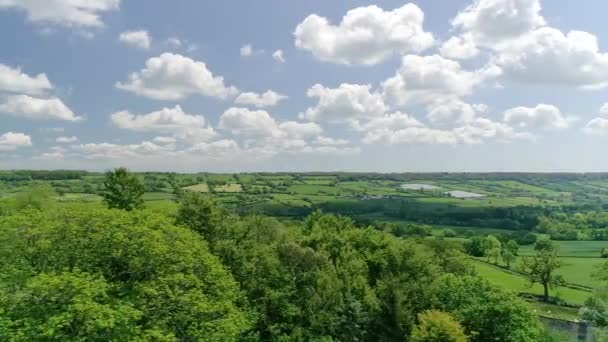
{"x": 464, "y": 194}
{"x": 418, "y": 187}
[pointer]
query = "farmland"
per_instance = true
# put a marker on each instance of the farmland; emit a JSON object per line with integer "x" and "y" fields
{"x": 456, "y": 207}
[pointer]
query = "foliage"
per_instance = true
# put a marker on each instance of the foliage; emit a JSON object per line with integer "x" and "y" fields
{"x": 123, "y": 190}
{"x": 542, "y": 268}
{"x": 95, "y": 274}
{"x": 437, "y": 326}
{"x": 477, "y": 305}
{"x": 39, "y": 196}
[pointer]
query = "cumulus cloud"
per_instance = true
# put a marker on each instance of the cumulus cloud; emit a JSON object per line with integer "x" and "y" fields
{"x": 387, "y": 123}
{"x": 139, "y": 39}
{"x": 267, "y": 99}
{"x": 365, "y": 35}
{"x": 493, "y": 21}
{"x": 33, "y": 108}
{"x": 14, "y": 80}
{"x": 524, "y": 48}
{"x": 597, "y": 126}
{"x": 69, "y": 13}
{"x": 219, "y": 148}
{"x": 300, "y": 130}
{"x": 122, "y": 151}
{"x": 66, "y": 140}
{"x": 246, "y": 50}
{"x": 424, "y": 79}
{"x": 50, "y": 156}
{"x": 541, "y": 116}
{"x": 604, "y": 109}
{"x": 449, "y": 111}
{"x": 548, "y": 56}
{"x": 11, "y": 141}
{"x": 459, "y": 47}
{"x": 167, "y": 120}
{"x": 175, "y": 77}
{"x": 278, "y": 56}
{"x": 249, "y": 123}
{"x": 474, "y": 132}
{"x": 165, "y": 140}
{"x": 346, "y": 103}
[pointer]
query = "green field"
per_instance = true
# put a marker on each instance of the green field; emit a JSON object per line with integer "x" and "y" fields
{"x": 519, "y": 284}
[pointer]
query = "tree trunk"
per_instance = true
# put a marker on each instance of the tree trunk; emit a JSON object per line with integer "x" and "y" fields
{"x": 546, "y": 296}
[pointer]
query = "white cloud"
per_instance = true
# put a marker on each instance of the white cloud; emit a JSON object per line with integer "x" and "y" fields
{"x": 490, "y": 22}
{"x": 14, "y": 80}
{"x": 300, "y": 130}
{"x": 547, "y": 56}
{"x": 50, "y": 156}
{"x": 366, "y": 35}
{"x": 165, "y": 140}
{"x": 27, "y": 107}
{"x": 267, "y": 99}
{"x": 346, "y": 103}
{"x": 431, "y": 78}
{"x": 246, "y": 50}
{"x": 604, "y": 109}
{"x": 597, "y": 126}
{"x": 457, "y": 47}
{"x": 69, "y": 13}
{"x": 174, "y": 42}
{"x": 219, "y": 148}
{"x": 140, "y": 39}
{"x": 66, "y": 140}
{"x": 174, "y": 77}
{"x": 388, "y": 123}
{"x": 11, "y": 141}
{"x": 124, "y": 151}
{"x": 249, "y": 123}
{"x": 328, "y": 141}
{"x": 449, "y": 111}
{"x": 541, "y": 116}
{"x": 474, "y": 132}
{"x": 278, "y": 56}
{"x": 167, "y": 120}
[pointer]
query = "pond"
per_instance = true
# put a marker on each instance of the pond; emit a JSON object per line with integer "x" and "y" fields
{"x": 464, "y": 194}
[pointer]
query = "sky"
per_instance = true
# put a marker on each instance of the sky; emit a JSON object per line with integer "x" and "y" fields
{"x": 271, "y": 85}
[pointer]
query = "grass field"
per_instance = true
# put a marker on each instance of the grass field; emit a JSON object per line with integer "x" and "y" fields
{"x": 577, "y": 249}
{"x": 203, "y": 187}
{"x": 234, "y": 187}
{"x": 519, "y": 284}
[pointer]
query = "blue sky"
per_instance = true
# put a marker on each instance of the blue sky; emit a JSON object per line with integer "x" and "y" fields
{"x": 475, "y": 85}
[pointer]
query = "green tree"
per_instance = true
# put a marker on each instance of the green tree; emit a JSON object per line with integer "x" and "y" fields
{"x": 123, "y": 190}
{"x": 200, "y": 213}
{"x": 544, "y": 244}
{"x": 92, "y": 274}
{"x": 541, "y": 268}
{"x": 39, "y": 196}
{"x": 509, "y": 252}
{"x": 476, "y": 305}
{"x": 437, "y": 326}
{"x": 492, "y": 248}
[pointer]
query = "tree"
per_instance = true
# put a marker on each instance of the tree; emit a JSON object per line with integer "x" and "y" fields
{"x": 492, "y": 249}
{"x": 91, "y": 274}
{"x": 544, "y": 244}
{"x": 123, "y": 190}
{"x": 200, "y": 213}
{"x": 509, "y": 252}
{"x": 541, "y": 269}
{"x": 39, "y": 196}
{"x": 437, "y": 326}
{"x": 476, "y": 304}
